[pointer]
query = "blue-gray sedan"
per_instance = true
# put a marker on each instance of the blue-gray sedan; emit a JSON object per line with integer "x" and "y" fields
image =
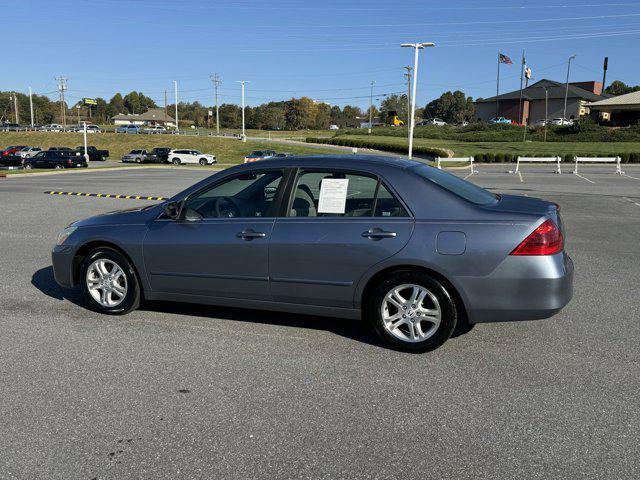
{"x": 412, "y": 250}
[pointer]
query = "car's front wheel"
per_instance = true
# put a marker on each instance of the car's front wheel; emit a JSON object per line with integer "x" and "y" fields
{"x": 412, "y": 311}
{"x": 109, "y": 282}
{"x": 203, "y": 162}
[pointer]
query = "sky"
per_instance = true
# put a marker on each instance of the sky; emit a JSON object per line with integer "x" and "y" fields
{"x": 329, "y": 50}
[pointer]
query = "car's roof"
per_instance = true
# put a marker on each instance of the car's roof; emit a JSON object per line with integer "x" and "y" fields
{"x": 332, "y": 161}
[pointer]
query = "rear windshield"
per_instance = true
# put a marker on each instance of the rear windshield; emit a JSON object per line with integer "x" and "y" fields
{"x": 467, "y": 190}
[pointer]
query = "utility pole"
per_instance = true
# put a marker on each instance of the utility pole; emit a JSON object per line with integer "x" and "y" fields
{"x": 216, "y": 83}
{"x": 31, "y": 106}
{"x": 15, "y": 103}
{"x": 165, "y": 104}
{"x": 373, "y": 82}
{"x": 566, "y": 90}
{"x": 604, "y": 73}
{"x": 62, "y": 86}
{"x": 78, "y": 108}
{"x": 243, "y": 138}
{"x": 175, "y": 87}
{"x": 416, "y": 47}
{"x": 408, "y": 77}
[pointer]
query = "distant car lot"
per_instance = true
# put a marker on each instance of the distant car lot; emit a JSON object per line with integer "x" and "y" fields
{"x": 318, "y": 387}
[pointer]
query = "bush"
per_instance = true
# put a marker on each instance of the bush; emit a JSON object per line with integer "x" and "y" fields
{"x": 386, "y": 147}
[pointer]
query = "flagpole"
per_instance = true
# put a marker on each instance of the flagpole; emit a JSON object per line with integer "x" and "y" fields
{"x": 498, "y": 88}
{"x": 521, "y": 75}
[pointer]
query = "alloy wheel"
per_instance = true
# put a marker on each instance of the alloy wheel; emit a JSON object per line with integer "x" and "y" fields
{"x": 106, "y": 282}
{"x": 411, "y": 313}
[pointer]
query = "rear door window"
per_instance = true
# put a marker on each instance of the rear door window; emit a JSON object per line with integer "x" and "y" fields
{"x": 342, "y": 194}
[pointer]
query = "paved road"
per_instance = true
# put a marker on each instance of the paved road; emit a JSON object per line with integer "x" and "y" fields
{"x": 180, "y": 391}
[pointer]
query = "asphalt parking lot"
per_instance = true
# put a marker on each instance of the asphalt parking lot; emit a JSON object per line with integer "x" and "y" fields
{"x": 183, "y": 391}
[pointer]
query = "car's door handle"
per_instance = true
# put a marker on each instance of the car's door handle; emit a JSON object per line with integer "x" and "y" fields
{"x": 249, "y": 234}
{"x": 377, "y": 233}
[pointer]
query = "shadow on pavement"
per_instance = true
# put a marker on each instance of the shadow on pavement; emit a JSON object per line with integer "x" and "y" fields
{"x": 44, "y": 281}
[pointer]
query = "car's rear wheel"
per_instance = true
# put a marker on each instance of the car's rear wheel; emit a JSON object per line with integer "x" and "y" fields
{"x": 28, "y": 166}
{"x": 58, "y": 167}
{"x": 203, "y": 162}
{"x": 412, "y": 312}
{"x": 176, "y": 161}
{"x": 109, "y": 282}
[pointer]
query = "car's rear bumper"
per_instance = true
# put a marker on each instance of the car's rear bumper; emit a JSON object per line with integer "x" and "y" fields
{"x": 521, "y": 288}
{"x": 62, "y": 261}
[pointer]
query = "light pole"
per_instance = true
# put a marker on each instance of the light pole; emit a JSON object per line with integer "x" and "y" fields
{"x": 175, "y": 89}
{"x": 566, "y": 90}
{"x": 84, "y": 131}
{"x": 31, "y": 105}
{"x": 416, "y": 47}
{"x": 371, "y": 106}
{"x": 242, "y": 82}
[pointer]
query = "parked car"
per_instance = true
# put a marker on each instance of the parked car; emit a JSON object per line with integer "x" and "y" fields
{"x": 157, "y": 155}
{"x": 283, "y": 155}
{"x": 55, "y": 159}
{"x": 178, "y": 157}
{"x": 133, "y": 129}
{"x": 334, "y": 127}
{"x": 135, "y": 156}
{"x": 94, "y": 153}
{"x": 561, "y": 121}
{"x": 356, "y": 240}
{"x": 499, "y": 120}
{"x": 432, "y": 121}
{"x": 540, "y": 123}
{"x": 11, "y": 127}
{"x": 53, "y": 127}
{"x": 28, "y": 152}
{"x": 156, "y": 129}
{"x": 91, "y": 128}
{"x": 259, "y": 155}
{"x": 12, "y": 150}
{"x": 65, "y": 150}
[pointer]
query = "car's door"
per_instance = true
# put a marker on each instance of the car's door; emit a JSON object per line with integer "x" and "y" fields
{"x": 219, "y": 247}
{"x": 338, "y": 225}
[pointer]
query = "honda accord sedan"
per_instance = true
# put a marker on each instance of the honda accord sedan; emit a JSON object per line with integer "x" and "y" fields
{"x": 410, "y": 249}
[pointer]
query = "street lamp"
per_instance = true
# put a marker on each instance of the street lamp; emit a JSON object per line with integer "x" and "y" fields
{"x": 412, "y": 120}
{"x": 566, "y": 90}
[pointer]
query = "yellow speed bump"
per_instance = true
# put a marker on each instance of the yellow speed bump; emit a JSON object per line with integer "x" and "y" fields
{"x": 105, "y": 195}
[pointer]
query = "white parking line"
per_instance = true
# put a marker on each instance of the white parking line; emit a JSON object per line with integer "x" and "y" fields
{"x": 632, "y": 201}
{"x": 520, "y": 175}
{"x": 584, "y": 178}
{"x": 629, "y": 176}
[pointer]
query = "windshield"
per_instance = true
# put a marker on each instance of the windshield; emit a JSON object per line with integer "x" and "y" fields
{"x": 467, "y": 190}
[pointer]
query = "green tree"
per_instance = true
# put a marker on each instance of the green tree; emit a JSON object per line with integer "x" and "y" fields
{"x": 452, "y": 107}
{"x": 394, "y": 103}
{"x": 620, "y": 88}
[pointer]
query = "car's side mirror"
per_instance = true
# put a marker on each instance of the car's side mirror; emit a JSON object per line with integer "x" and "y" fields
{"x": 172, "y": 210}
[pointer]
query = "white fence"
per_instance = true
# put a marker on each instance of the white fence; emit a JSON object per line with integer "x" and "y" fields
{"x": 615, "y": 160}
{"x": 555, "y": 160}
{"x": 470, "y": 160}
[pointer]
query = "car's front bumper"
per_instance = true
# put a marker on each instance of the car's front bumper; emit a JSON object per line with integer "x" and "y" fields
{"x": 521, "y": 288}
{"x": 62, "y": 261}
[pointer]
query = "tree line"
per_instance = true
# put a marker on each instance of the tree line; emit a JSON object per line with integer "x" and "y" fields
{"x": 292, "y": 114}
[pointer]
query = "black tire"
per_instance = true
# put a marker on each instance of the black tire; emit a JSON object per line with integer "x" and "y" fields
{"x": 176, "y": 161}
{"x": 203, "y": 162}
{"x": 58, "y": 167}
{"x": 448, "y": 313}
{"x": 132, "y": 297}
{"x": 28, "y": 166}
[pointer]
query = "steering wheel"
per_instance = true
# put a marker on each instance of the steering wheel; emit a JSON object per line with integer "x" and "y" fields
{"x": 234, "y": 211}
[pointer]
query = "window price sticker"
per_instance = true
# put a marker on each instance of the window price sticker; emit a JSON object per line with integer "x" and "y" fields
{"x": 333, "y": 195}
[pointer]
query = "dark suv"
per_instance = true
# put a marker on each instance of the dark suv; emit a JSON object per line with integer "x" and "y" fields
{"x": 55, "y": 159}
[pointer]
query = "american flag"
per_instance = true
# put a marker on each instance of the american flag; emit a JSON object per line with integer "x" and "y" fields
{"x": 502, "y": 58}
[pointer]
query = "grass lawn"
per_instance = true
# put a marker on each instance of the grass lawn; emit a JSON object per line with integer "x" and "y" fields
{"x": 464, "y": 149}
{"x": 227, "y": 150}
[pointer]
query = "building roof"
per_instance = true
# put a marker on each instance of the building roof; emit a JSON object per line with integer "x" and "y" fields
{"x": 153, "y": 114}
{"x": 554, "y": 90}
{"x": 628, "y": 99}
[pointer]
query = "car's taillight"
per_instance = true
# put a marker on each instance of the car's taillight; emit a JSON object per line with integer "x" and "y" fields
{"x": 544, "y": 240}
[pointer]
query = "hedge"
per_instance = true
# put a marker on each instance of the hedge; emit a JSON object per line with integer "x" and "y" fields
{"x": 386, "y": 147}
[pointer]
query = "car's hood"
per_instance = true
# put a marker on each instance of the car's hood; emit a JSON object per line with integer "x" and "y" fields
{"x": 130, "y": 216}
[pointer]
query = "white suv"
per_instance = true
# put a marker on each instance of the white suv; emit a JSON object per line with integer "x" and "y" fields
{"x": 178, "y": 157}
